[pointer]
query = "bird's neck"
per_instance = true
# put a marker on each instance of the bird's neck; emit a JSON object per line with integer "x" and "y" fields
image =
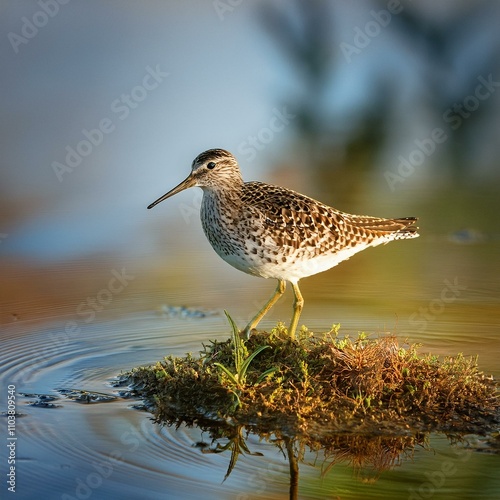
{"x": 219, "y": 200}
{"x": 224, "y": 192}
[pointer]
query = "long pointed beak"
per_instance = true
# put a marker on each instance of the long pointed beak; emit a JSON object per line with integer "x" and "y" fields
{"x": 186, "y": 183}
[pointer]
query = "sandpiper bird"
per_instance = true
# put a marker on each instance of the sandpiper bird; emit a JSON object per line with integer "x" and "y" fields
{"x": 274, "y": 232}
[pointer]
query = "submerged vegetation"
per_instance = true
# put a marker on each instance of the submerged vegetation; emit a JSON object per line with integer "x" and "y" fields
{"x": 320, "y": 384}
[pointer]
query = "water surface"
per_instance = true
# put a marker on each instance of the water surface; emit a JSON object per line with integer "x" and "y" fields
{"x": 441, "y": 290}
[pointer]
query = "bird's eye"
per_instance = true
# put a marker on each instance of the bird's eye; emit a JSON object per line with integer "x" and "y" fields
{"x": 211, "y": 165}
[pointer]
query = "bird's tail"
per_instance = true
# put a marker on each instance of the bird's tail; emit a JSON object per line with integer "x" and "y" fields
{"x": 390, "y": 229}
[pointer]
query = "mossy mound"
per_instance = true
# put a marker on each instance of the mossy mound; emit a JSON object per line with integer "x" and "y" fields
{"x": 321, "y": 384}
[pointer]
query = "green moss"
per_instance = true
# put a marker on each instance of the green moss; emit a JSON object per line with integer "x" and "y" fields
{"x": 320, "y": 383}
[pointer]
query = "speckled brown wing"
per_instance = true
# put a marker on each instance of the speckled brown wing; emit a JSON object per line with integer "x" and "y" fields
{"x": 294, "y": 220}
{"x": 302, "y": 222}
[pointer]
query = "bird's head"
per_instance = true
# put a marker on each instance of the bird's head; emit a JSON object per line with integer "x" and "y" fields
{"x": 211, "y": 170}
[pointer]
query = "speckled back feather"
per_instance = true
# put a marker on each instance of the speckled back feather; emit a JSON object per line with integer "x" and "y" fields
{"x": 299, "y": 221}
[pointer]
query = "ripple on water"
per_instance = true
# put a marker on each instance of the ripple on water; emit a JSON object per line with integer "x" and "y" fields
{"x": 108, "y": 450}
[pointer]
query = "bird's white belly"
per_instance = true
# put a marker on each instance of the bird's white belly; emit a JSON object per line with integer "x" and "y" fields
{"x": 293, "y": 269}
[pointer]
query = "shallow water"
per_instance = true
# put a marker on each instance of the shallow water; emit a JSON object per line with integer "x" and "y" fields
{"x": 442, "y": 290}
{"x": 110, "y": 450}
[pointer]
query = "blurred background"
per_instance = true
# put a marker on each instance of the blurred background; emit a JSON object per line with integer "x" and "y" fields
{"x": 387, "y": 108}
{"x": 374, "y": 107}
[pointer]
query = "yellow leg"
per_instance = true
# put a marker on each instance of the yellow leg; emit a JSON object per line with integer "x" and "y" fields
{"x": 298, "y": 303}
{"x": 280, "y": 290}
